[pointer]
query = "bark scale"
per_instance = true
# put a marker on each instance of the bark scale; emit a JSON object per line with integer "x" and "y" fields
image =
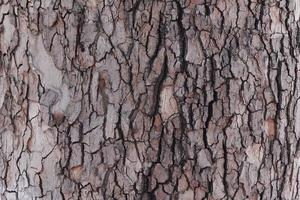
{"x": 149, "y": 99}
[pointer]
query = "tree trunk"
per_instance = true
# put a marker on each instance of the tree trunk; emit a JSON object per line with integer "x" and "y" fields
{"x": 149, "y": 99}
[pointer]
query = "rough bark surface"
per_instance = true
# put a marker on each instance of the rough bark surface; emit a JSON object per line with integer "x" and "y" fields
{"x": 149, "y": 99}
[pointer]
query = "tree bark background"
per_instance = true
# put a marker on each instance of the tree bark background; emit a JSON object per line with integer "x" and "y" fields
{"x": 149, "y": 99}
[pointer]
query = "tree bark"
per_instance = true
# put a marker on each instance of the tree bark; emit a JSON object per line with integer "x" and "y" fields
{"x": 149, "y": 99}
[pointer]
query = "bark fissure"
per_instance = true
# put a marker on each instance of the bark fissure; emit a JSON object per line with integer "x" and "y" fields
{"x": 178, "y": 99}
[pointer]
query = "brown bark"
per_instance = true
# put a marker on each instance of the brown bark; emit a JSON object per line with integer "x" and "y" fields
{"x": 148, "y": 99}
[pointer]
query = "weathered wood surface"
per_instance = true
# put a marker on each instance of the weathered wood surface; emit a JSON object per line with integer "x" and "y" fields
{"x": 148, "y": 99}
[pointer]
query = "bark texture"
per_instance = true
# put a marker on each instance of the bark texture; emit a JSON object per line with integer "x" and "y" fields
{"x": 149, "y": 99}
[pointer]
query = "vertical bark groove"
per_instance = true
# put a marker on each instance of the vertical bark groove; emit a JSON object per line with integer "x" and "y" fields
{"x": 149, "y": 99}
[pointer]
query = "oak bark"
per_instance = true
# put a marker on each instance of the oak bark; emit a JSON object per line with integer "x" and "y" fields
{"x": 149, "y": 99}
